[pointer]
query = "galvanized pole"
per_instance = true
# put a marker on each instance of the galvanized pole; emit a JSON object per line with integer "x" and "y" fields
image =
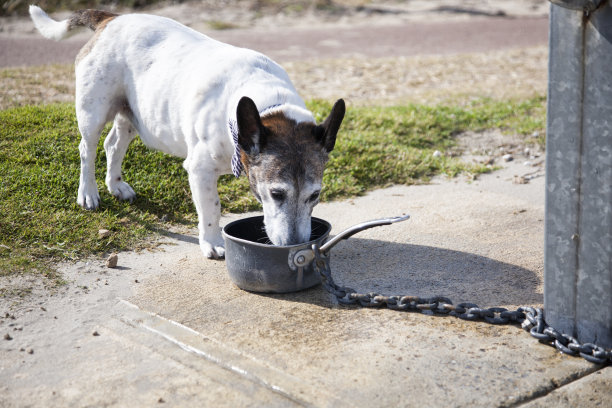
{"x": 578, "y": 246}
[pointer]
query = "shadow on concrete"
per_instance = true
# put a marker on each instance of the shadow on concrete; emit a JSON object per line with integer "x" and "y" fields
{"x": 405, "y": 269}
{"x": 190, "y": 239}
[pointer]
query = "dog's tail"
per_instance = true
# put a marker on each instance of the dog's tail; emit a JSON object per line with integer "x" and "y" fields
{"x": 58, "y": 30}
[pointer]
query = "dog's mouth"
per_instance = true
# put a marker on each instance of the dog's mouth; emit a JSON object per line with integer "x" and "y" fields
{"x": 292, "y": 240}
{"x": 264, "y": 239}
{"x": 281, "y": 233}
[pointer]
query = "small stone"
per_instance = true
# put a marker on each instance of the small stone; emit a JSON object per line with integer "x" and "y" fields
{"x": 527, "y": 163}
{"x": 161, "y": 400}
{"x": 136, "y": 281}
{"x": 489, "y": 161}
{"x": 111, "y": 261}
{"x": 520, "y": 180}
{"x": 7, "y": 337}
{"x": 437, "y": 153}
{"x": 30, "y": 351}
{"x": 507, "y": 157}
{"x": 104, "y": 233}
{"x": 535, "y": 134}
{"x": 95, "y": 333}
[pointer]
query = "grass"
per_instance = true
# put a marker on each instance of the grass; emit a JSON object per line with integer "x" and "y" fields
{"x": 39, "y": 167}
{"x": 222, "y": 25}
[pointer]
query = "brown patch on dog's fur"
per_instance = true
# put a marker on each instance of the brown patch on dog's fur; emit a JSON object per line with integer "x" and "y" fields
{"x": 289, "y": 151}
{"x": 95, "y": 20}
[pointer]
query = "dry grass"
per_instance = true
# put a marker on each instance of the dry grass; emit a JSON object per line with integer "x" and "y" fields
{"x": 454, "y": 79}
{"x": 36, "y": 85}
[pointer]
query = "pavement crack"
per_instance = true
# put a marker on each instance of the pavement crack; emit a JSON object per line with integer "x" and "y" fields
{"x": 294, "y": 389}
{"x": 553, "y": 386}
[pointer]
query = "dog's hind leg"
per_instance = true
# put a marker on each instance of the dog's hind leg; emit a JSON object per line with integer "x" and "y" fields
{"x": 96, "y": 104}
{"x": 116, "y": 145}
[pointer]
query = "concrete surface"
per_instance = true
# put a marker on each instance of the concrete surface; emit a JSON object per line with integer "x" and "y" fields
{"x": 168, "y": 327}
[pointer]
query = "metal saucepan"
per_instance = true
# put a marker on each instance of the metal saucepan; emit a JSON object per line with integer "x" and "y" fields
{"x": 254, "y": 264}
{"x": 258, "y": 266}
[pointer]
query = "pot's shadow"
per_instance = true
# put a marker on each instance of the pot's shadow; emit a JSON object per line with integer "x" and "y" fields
{"x": 403, "y": 269}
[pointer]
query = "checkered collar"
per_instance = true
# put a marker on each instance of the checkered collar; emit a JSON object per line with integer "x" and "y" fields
{"x": 232, "y": 126}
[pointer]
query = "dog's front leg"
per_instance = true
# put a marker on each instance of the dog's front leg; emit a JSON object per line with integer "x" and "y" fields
{"x": 203, "y": 183}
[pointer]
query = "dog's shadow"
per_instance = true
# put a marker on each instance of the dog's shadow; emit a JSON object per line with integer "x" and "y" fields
{"x": 389, "y": 268}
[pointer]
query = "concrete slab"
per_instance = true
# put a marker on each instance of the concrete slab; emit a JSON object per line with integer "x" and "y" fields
{"x": 173, "y": 328}
{"x": 593, "y": 391}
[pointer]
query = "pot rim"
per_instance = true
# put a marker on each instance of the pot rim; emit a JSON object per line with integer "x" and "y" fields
{"x": 272, "y": 246}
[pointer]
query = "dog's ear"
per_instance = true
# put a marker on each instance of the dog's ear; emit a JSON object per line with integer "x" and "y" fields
{"x": 251, "y": 132}
{"x": 326, "y": 132}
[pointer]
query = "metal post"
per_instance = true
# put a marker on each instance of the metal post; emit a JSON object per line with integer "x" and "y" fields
{"x": 578, "y": 237}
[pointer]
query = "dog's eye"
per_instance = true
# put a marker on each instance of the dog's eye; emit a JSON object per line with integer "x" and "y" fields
{"x": 278, "y": 195}
{"x": 314, "y": 196}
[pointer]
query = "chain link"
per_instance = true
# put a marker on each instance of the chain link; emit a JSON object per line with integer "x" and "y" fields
{"x": 531, "y": 319}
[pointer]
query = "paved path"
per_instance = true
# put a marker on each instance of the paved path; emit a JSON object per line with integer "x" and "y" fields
{"x": 476, "y": 35}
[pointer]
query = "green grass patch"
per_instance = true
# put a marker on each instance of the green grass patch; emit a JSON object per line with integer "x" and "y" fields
{"x": 39, "y": 174}
{"x": 222, "y": 25}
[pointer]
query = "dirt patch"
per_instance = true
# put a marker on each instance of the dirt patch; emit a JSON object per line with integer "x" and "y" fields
{"x": 455, "y": 79}
{"x": 36, "y": 85}
{"x": 267, "y": 13}
{"x": 229, "y": 14}
{"x": 495, "y": 149}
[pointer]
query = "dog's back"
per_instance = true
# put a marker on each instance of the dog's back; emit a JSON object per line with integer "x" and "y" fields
{"x": 126, "y": 66}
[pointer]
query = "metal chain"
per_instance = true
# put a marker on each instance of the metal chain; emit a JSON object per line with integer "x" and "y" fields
{"x": 531, "y": 319}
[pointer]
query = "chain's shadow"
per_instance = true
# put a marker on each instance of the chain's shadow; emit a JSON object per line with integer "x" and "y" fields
{"x": 389, "y": 268}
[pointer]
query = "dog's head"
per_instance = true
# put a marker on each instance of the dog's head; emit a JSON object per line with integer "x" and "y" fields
{"x": 284, "y": 161}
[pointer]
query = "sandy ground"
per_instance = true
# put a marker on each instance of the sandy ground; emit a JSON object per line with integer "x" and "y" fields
{"x": 207, "y": 14}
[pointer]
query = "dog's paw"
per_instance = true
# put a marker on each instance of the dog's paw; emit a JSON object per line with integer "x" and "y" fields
{"x": 212, "y": 251}
{"x": 122, "y": 191}
{"x": 88, "y": 198}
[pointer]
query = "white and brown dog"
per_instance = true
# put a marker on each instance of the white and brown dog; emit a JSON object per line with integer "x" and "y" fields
{"x": 222, "y": 108}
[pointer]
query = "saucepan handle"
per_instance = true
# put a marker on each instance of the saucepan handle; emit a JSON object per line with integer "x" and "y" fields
{"x": 358, "y": 228}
